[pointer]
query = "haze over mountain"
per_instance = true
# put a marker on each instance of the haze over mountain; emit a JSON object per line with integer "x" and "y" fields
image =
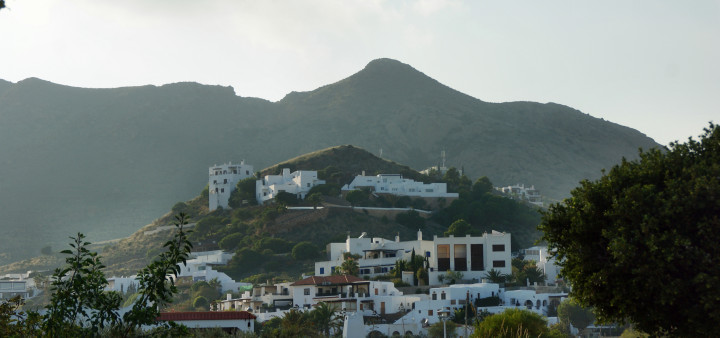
{"x": 108, "y": 161}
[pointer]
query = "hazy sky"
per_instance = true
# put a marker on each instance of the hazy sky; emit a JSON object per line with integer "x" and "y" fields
{"x": 651, "y": 65}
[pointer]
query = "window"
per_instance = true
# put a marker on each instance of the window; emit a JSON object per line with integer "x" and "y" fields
{"x": 498, "y": 264}
{"x": 442, "y": 295}
{"x": 477, "y": 262}
{"x": 434, "y": 296}
{"x": 322, "y": 271}
{"x": 222, "y": 190}
{"x": 430, "y": 313}
{"x": 214, "y": 181}
{"x": 443, "y": 252}
{"x": 306, "y": 292}
{"x": 452, "y": 302}
{"x": 308, "y": 185}
{"x": 225, "y": 181}
{"x": 428, "y": 190}
{"x": 498, "y": 247}
{"x": 460, "y": 257}
{"x": 247, "y": 172}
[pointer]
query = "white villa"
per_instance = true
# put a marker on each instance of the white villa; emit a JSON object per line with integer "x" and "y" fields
{"x": 519, "y": 191}
{"x": 297, "y": 183}
{"x": 223, "y": 179}
{"x": 472, "y": 256}
{"x": 397, "y": 185}
{"x": 544, "y": 261}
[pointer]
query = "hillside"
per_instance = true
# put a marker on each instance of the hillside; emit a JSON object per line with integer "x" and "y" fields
{"x": 104, "y": 161}
{"x": 260, "y": 228}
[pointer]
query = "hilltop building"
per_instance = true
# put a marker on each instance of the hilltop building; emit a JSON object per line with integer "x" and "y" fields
{"x": 473, "y": 256}
{"x": 297, "y": 183}
{"x": 544, "y": 260}
{"x": 223, "y": 179}
{"x": 520, "y": 192}
{"x": 395, "y": 184}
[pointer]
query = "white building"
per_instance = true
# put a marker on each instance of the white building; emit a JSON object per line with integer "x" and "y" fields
{"x": 471, "y": 256}
{"x": 397, "y": 185}
{"x": 200, "y": 268}
{"x": 544, "y": 261}
{"x": 223, "y": 179}
{"x": 520, "y": 192}
{"x": 297, "y": 183}
{"x": 12, "y": 288}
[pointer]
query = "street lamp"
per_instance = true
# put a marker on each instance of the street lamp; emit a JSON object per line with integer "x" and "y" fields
{"x": 444, "y": 314}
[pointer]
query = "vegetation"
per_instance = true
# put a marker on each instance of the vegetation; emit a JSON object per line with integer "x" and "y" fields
{"x": 639, "y": 244}
{"x": 514, "y": 323}
{"x": 437, "y": 330}
{"x": 244, "y": 191}
{"x": 79, "y": 306}
{"x": 571, "y": 312}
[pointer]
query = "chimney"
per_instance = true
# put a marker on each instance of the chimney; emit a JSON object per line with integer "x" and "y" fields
{"x": 229, "y": 296}
{"x": 363, "y": 172}
{"x": 419, "y": 235}
{"x": 286, "y": 172}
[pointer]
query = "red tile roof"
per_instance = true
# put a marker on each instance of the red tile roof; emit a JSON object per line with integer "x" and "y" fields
{"x": 332, "y": 280}
{"x": 207, "y": 315}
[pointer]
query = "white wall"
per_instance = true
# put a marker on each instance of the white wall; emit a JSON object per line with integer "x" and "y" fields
{"x": 222, "y": 181}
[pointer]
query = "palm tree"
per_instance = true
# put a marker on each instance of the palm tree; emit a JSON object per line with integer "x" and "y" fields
{"x": 295, "y": 323}
{"x": 495, "y": 276}
{"x": 325, "y": 318}
{"x": 350, "y": 267}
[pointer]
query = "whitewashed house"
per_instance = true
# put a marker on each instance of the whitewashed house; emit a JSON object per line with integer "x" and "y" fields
{"x": 395, "y": 184}
{"x": 297, "y": 183}
{"x": 544, "y": 261}
{"x": 473, "y": 256}
{"x": 519, "y": 191}
{"x": 222, "y": 182}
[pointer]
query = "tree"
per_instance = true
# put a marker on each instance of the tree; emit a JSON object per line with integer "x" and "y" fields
{"x": 495, "y": 276}
{"x": 570, "y": 312}
{"x": 356, "y": 197}
{"x": 305, "y": 251}
{"x": 436, "y": 330}
{"x": 231, "y": 241}
{"x": 315, "y": 199}
{"x": 350, "y": 266}
{"x": 481, "y": 187}
{"x": 244, "y": 191}
{"x": 325, "y": 319}
{"x": 286, "y": 198}
{"x": 513, "y": 323}
{"x": 79, "y": 306}
{"x": 459, "y": 228}
{"x": 640, "y": 243}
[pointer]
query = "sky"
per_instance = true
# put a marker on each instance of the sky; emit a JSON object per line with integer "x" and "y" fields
{"x": 652, "y": 65}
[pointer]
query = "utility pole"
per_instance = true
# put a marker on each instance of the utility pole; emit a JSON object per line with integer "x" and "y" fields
{"x": 467, "y": 303}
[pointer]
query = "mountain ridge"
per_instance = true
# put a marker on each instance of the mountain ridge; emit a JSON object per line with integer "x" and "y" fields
{"x": 88, "y": 156}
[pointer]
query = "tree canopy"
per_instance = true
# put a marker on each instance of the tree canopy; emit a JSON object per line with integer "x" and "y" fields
{"x": 640, "y": 243}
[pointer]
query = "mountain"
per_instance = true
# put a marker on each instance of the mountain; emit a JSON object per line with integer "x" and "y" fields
{"x": 107, "y": 161}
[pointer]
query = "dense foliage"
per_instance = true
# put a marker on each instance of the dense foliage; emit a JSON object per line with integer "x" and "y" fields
{"x": 640, "y": 243}
{"x": 514, "y": 323}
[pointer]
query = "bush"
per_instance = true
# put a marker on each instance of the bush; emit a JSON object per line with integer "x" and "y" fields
{"x": 230, "y": 242}
{"x": 201, "y": 302}
{"x": 277, "y": 245}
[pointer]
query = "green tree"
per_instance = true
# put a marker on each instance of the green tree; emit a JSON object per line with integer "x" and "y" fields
{"x": 495, "y": 276}
{"x": 325, "y": 319}
{"x": 570, "y": 312}
{"x": 512, "y": 323}
{"x": 459, "y": 228}
{"x": 296, "y": 324}
{"x": 481, "y": 187}
{"x": 356, "y": 197}
{"x": 315, "y": 199}
{"x": 305, "y": 251}
{"x": 350, "y": 267}
{"x": 286, "y": 198}
{"x": 244, "y": 191}
{"x": 231, "y": 241}
{"x": 644, "y": 236}
{"x": 436, "y": 330}
{"x": 201, "y": 302}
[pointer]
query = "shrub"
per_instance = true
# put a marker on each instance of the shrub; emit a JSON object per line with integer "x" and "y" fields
{"x": 305, "y": 251}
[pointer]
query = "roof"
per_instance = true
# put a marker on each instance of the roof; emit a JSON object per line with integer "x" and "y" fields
{"x": 206, "y": 315}
{"x": 329, "y": 280}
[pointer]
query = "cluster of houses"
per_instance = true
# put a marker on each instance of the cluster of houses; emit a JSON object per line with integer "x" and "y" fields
{"x": 223, "y": 179}
{"x": 366, "y": 303}
{"x": 371, "y": 305}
